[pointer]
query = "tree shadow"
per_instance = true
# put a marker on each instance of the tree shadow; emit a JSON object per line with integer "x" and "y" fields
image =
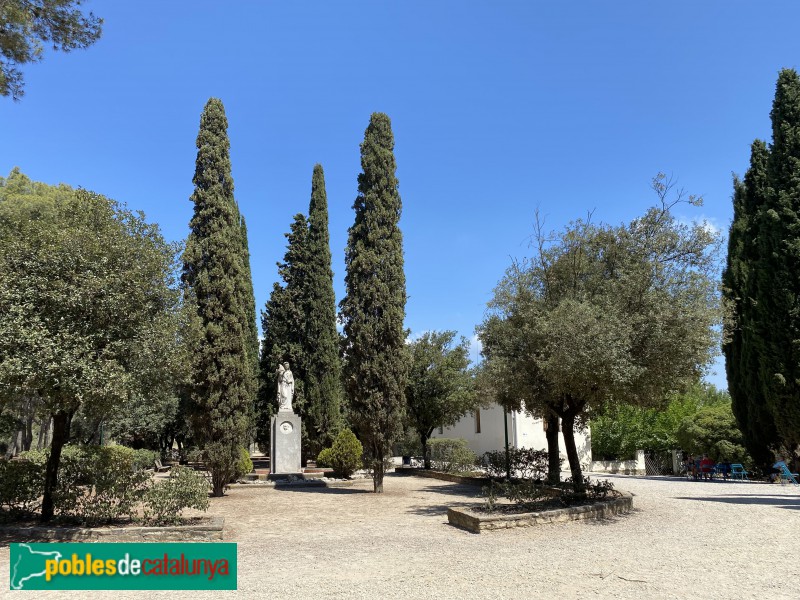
{"x": 320, "y": 489}
{"x": 788, "y": 502}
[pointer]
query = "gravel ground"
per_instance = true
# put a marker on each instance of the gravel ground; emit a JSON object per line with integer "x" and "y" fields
{"x": 685, "y": 539}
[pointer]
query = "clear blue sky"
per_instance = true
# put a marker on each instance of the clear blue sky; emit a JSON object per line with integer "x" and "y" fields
{"x": 497, "y": 108}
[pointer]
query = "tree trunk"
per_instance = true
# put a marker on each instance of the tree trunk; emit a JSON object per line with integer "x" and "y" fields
{"x": 27, "y": 439}
{"x": 553, "y": 452}
{"x": 61, "y": 421}
{"x": 377, "y": 476}
{"x": 426, "y": 456}
{"x": 567, "y": 428}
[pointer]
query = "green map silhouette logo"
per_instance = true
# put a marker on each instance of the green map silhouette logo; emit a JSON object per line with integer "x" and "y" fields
{"x": 29, "y": 564}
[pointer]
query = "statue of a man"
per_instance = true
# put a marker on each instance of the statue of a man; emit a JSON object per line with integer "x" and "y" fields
{"x": 285, "y": 387}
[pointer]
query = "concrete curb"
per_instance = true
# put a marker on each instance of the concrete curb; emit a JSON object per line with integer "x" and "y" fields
{"x": 476, "y": 523}
{"x": 442, "y": 476}
{"x": 210, "y": 531}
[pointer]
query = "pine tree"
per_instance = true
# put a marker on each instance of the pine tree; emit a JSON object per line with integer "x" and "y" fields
{"x": 323, "y": 373}
{"x": 373, "y": 309}
{"x": 745, "y": 330}
{"x": 778, "y": 267}
{"x": 213, "y": 273}
{"x": 283, "y": 324}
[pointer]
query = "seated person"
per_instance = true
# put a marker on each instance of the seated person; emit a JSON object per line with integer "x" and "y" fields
{"x": 706, "y": 467}
{"x": 697, "y": 472}
{"x": 724, "y": 467}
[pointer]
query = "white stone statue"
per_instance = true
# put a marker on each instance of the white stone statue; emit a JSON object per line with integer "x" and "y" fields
{"x": 285, "y": 387}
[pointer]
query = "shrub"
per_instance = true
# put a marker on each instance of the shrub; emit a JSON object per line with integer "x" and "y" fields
{"x": 145, "y": 459}
{"x": 38, "y": 457}
{"x": 451, "y": 455}
{"x": 325, "y": 458}
{"x": 99, "y": 484}
{"x": 346, "y": 454}
{"x": 245, "y": 464}
{"x": 165, "y": 501}
{"x": 526, "y": 463}
{"x": 21, "y": 486}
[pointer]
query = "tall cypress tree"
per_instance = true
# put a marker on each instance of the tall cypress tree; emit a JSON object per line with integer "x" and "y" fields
{"x": 323, "y": 373}
{"x": 778, "y": 269}
{"x": 283, "y": 324}
{"x": 746, "y": 329}
{"x": 251, "y": 327}
{"x": 373, "y": 309}
{"x": 213, "y": 272}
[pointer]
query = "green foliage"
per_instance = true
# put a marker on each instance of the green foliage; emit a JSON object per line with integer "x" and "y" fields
{"x": 713, "y": 431}
{"x": 99, "y": 484}
{"x": 325, "y": 458}
{"x": 245, "y": 464}
{"x": 525, "y": 463}
{"x": 27, "y": 25}
{"x": 530, "y": 495}
{"x": 323, "y": 387}
{"x": 440, "y": 388}
{"x": 346, "y": 454}
{"x": 164, "y": 501}
{"x": 451, "y": 455}
{"x": 143, "y": 459}
{"x": 623, "y": 429}
{"x": 604, "y": 312}
{"x": 215, "y": 278}
{"x": 761, "y": 284}
{"x": 21, "y": 486}
{"x": 299, "y": 324}
{"x": 283, "y": 323}
{"x": 373, "y": 309}
{"x": 89, "y": 305}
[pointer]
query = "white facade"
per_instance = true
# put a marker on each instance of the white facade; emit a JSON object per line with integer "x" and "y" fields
{"x": 484, "y": 432}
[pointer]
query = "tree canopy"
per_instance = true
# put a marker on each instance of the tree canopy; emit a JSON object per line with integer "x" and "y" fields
{"x": 89, "y": 305}
{"x": 215, "y": 278}
{"x": 26, "y": 26}
{"x": 440, "y": 388}
{"x": 373, "y": 309}
{"x": 605, "y": 314}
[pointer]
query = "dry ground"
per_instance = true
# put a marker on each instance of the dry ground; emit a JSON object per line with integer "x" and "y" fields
{"x": 685, "y": 539}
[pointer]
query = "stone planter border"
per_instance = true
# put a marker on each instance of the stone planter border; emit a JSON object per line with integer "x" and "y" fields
{"x": 478, "y": 522}
{"x": 441, "y": 475}
{"x": 209, "y": 531}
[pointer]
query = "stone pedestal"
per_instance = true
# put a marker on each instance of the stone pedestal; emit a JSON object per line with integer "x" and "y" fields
{"x": 284, "y": 448}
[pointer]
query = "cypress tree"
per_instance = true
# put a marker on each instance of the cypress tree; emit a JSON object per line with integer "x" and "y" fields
{"x": 323, "y": 373}
{"x": 251, "y": 327}
{"x": 283, "y": 324}
{"x": 213, "y": 272}
{"x": 373, "y": 309}
{"x": 778, "y": 269}
{"x": 745, "y": 330}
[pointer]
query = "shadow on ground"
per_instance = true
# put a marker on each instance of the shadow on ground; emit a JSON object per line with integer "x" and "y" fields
{"x": 320, "y": 489}
{"x": 777, "y": 501}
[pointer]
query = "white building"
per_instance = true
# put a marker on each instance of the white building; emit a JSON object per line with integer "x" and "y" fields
{"x": 484, "y": 432}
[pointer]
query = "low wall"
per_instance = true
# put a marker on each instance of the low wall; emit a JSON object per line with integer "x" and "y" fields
{"x": 207, "y": 531}
{"x": 452, "y": 477}
{"x": 478, "y": 522}
{"x": 624, "y": 467}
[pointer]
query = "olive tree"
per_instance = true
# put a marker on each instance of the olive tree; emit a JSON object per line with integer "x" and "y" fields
{"x": 604, "y": 314}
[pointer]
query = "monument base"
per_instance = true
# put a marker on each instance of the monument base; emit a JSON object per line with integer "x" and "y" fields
{"x": 284, "y": 447}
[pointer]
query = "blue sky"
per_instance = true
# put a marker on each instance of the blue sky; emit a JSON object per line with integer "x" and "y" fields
{"x": 497, "y": 108}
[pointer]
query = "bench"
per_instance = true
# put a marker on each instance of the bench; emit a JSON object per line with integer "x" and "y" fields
{"x": 785, "y": 474}
{"x": 738, "y": 472}
{"x": 159, "y": 467}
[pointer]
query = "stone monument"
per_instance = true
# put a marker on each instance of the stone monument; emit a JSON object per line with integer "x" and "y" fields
{"x": 284, "y": 449}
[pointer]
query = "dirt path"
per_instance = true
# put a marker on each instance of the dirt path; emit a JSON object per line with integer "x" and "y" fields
{"x": 685, "y": 539}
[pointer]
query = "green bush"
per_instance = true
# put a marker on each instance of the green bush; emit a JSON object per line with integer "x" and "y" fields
{"x": 21, "y": 486}
{"x": 451, "y": 455}
{"x": 245, "y": 464}
{"x": 325, "y": 458}
{"x": 145, "y": 459}
{"x": 38, "y": 457}
{"x": 346, "y": 454}
{"x": 525, "y": 463}
{"x": 164, "y": 501}
{"x": 99, "y": 484}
